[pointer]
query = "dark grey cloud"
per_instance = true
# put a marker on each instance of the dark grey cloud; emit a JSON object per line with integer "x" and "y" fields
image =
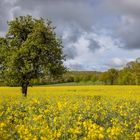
{"x": 94, "y": 45}
{"x": 129, "y": 32}
{"x": 4, "y": 15}
{"x": 66, "y": 11}
{"x": 70, "y": 52}
{"x": 62, "y": 12}
{"x": 131, "y": 7}
{"x": 129, "y": 16}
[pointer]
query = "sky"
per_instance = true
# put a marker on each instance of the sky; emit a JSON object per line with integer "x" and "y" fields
{"x": 96, "y": 34}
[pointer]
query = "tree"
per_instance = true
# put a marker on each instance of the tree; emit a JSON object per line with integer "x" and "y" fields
{"x": 112, "y": 75}
{"x": 30, "y": 50}
{"x": 104, "y": 77}
{"x": 94, "y": 78}
{"x": 125, "y": 77}
{"x": 134, "y": 68}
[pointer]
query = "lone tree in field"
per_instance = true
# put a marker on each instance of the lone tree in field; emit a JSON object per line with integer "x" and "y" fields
{"x": 30, "y": 50}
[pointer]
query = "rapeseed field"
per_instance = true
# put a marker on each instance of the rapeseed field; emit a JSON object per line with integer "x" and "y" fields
{"x": 70, "y": 113}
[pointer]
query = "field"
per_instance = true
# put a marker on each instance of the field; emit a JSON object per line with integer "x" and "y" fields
{"x": 70, "y": 113}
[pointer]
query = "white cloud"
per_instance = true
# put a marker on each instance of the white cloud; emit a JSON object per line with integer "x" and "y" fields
{"x": 90, "y": 56}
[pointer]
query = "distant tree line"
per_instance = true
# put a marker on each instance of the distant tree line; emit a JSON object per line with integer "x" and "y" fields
{"x": 129, "y": 75}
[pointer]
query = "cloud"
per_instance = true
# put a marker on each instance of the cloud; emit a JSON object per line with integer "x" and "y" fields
{"x": 92, "y": 49}
{"x": 93, "y": 32}
{"x": 76, "y": 67}
{"x": 77, "y": 40}
{"x": 128, "y": 29}
{"x": 117, "y": 63}
{"x": 129, "y": 32}
{"x": 66, "y": 11}
{"x": 131, "y": 7}
{"x": 70, "y": 52}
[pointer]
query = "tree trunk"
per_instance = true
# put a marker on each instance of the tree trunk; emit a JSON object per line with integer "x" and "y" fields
{"x": 112, "y": 81}
{"x": 24, "y": 90}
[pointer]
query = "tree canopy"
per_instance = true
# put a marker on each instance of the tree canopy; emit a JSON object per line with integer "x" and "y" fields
{"x": 29, "y": 50}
